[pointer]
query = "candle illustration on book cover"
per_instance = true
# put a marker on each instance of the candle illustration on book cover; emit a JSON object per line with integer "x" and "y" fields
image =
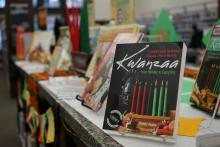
{"x": 210, "y": 76}
{"x": 205, "y": 95}
{"x": 218, "y": 90}
{"x": 154, "y": 100}
{"x": 217, "y": 82}
{"x": 144, "y": 99}
{"x": 138, "y": 98}
{"x": 213, "y": 78}
{"x": 148, "y": 99}
{"x": 133, "y": 97}
{"x": 160, "y": 100}
{"x": 165, "y": 100}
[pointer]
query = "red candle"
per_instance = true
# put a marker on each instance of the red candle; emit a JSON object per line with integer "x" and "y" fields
{"x": 138, "y": 98}
{"x": 133, "y": 97}
{"x": 144, "y": 99}
{"x": 148, "y": 99}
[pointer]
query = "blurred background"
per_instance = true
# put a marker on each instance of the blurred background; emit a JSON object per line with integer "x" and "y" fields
{"x": 191, "y": 20}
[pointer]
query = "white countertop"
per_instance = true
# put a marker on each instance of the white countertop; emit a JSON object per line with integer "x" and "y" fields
{"x": 65, "y": 92}
{"x": 31, "y": 67}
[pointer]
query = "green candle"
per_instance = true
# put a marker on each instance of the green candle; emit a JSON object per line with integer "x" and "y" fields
{"x": 160, "y": 100}
{"x": 154, "y": 100}
{"x": 217, "y": 90}
{"x": 216, "y": 84}
{"x": 214, "y": 79}
{"x": 165, "y": 101}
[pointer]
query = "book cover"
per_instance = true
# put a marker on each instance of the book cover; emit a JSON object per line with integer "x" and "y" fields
{"x": 94, "y": 37}
{"x": 100, "y": 50}
{"x": 97, "y": 89}
{"x": 28, "y": 36}
{"x": 65, "y": 61}
{"x": 207, "y": 37}
{"x": 44, "y": 39}
{"x": 106, "y": 36}
{"x": 54, "y": 60}
{"x": 109, "y": 32}
{"x": 145, "y": 89}
{"x": 207, "y": 86}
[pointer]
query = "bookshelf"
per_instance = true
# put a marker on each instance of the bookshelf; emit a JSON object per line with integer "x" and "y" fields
{"x": 184, "y": 17}
{"x": 203, "y": 19}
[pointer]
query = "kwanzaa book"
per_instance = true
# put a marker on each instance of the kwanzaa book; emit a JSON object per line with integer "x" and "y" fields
{"x": 145, "y": 88}
{"x": 97, "y": 88}
{"x": 207, "y": 86}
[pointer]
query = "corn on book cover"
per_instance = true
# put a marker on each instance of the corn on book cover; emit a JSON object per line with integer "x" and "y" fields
{"x": 207, "y": 86}
{"x": 144, "y": 89}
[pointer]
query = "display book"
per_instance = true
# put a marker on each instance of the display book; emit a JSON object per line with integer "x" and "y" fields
{"x": 30, "y": 45}
{"x": 145, "y": 87}
{"x": 61, "y": 55}
{"x": 104, "y": 39}
{"x": 93, "y": 37}
{"x": 40, "y": 46}
{"x": 207, "y": 86}
{"x": 97, "y": 88}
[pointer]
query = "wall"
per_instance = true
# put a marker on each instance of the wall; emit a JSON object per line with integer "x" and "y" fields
{"x": 102, "y": 9}
{"x": 144, "y": 7}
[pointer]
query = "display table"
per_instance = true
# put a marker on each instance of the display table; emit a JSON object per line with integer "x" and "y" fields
{"x": 86, "y": 125}
{"x": 31, "y": 67}
{"x": 93, "y": 122}
{"x": 90, "y": 134}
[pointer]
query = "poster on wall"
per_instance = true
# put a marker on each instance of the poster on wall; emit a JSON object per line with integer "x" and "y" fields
{"x": 207, "y": 87}
{"x": 145, "y": 88}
